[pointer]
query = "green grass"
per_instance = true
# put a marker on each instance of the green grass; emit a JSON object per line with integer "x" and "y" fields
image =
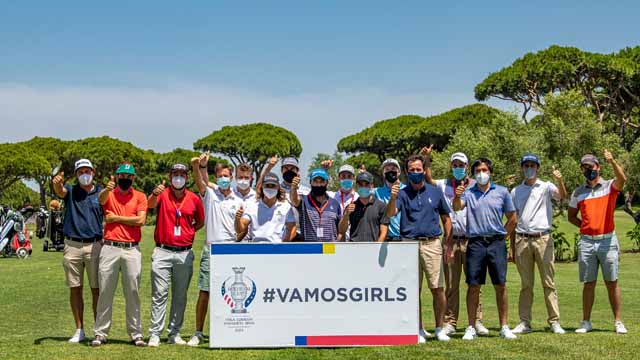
{"x": 36, "y": 321}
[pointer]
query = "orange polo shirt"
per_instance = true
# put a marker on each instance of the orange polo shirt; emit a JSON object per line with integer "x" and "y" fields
{"x": 124, "y": 204}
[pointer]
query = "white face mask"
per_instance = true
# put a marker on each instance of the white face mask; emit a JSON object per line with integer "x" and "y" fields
{"x": 85, "y": 179}
{"x": 269, "y": 193}
{"x": 178, "y": 182}
{"x": 243, "y": 184}
{"x": 482, "y": 178}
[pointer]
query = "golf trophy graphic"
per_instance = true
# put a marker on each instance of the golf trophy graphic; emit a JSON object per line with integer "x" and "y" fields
{"x": 239, "y": 291}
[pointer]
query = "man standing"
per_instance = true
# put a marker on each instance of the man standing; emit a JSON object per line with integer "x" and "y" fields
{"x": 125, "y": 213}
{"x": 179, "y": 215}
{"x": 319, "y": 214}
{"x": 346, "y": 194}
{"x": 533, "y": 243}
{"x": 486, "y": 203}
{"x": 453, "y": 269}
{"x": 365, "y": 219}
{"x": 598, "y": 245}
{"x": 390, "y": 175}
{"x": 422, "y": 206}
{"x": 220, "y": 206}
{"x": 244, "y": 178}
{"x": 83, "y": 230}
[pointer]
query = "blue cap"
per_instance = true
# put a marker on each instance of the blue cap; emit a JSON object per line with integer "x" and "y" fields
{"x": 529, "y": 157}
{"x": 319, "y": 173}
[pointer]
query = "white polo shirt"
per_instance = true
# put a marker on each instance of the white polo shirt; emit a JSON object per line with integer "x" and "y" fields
{"x": 534, "y": 207}
{"x": 249, "y": 198}
{"x": 268, "y": 223}
{"x": 344, "y": 200}
{"x": 220, "y": 214}
{"x": 302, "y": 191}
{"x": 458, "y": 218}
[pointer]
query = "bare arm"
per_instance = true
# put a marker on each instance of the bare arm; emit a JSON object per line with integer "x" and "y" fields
{"x": 137, "y": 220}
{"x": 291, "y": 232}
{"x": 573, "y": 217}
{"x": 242, "y": 227}
{"x": 197, "y": 175}
{"x": 294, "y": 196}
{"x": 384, "y": 229}
{"x": 512, "y": 221}
{"x": 392, "y": 210}
{"x": 343, "y": 226}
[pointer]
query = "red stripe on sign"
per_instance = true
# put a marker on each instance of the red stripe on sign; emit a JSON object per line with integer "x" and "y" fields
{"x": 354, "y": 340}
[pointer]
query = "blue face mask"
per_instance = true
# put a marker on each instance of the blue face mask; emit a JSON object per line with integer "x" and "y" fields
{"x": 224, "y": 183}
{"x": 364, "y": 192}
{"x": 459, "y": 173}
{"x": 416, "y": 178}
{"x": 346, "y": 184}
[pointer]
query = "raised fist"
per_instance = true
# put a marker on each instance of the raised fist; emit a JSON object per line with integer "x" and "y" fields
{"x": 58, "y": 179}
{"x": 350, "y": 209}
{"x": 556, "y": 173}
{"x": 608, "y": 156}
{"x": 295, "y": 182}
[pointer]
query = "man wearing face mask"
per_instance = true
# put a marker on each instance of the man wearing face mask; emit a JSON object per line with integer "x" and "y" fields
{"x": 83, "y": 230}
{"x": 220, "y": 206}
{"x": 244, "y": 178}
{"x": 532, "y": 244}
{"x": 453, "y": 269}
{"x": 346, "y": 194}
{"x": 595, "y": 200}
{"x": 423, "y": 207}
{"x": 180, "y": 214}
{"x": 365, "y": 218}
{"x": 486, "y": 204}
{"x": 271, "y": 219}
{"x": 125, "y": 212}
{"x": 390, "y": 174}
{"x": 319, "y": 214}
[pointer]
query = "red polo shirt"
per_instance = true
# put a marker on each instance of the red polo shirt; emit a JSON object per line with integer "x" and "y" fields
{"x": 124, "y": 204}
{"x": 172, "y": 212}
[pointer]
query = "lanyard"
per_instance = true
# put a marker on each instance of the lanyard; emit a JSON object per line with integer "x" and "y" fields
{"x": 342, "y": 200}
{"x": 178, "y": 209}
{"x": 320, "y": 210}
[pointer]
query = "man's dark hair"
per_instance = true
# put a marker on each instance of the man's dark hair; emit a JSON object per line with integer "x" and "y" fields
{"x": 479, "y": 161}
{"x": 413, "y": 158}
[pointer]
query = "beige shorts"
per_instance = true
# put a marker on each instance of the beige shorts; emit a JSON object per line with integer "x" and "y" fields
{"x": 78, "y": 257}
{"x": 431, "y": 263}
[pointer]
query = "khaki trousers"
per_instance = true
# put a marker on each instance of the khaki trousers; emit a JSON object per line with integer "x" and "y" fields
{"x": 116, "y": 261}
{"x": 531, "y": 251}
{"x": 452, "y": 276}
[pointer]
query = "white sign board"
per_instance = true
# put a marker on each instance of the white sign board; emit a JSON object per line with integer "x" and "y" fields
{"x": 313, "y": 294}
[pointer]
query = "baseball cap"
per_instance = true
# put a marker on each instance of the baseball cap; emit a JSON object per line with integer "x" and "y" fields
{"x": 126, "y": 169}
{"x": 590, "y": 160}
{"x": 271, "y": 178}
{"x": 347, "y": 168}
{"x": 319, "y": 173}
{"x": 364, "y": 176}
{"x": 390, "y": 162}
{"x": 529, "y": 157}
{"x": 179, "y": 167}
{"x": 83, "y": 163}
{"x": 459, "y": 156}
{"x": 290, "y": 161}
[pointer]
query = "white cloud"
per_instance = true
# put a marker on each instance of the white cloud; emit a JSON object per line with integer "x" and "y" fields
{"x": 165, "y": 118}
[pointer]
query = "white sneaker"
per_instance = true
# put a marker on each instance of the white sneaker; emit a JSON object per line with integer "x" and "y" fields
{"x": 441, "y": 335}
{"x": 154, "y": 341}
{"x": 424, "y": 333}
{"x": 506, "y": 333}
{"x": 176, "y": 339}
{"x": 522, "y": 328}
{"x": 78, "y": 337}
{"x": 620, "y": 329}
{"x": 449, "y": 329}
{"x": 480, "y": 329}
{"x": 556, "y": 328}
{"x": 195, "y": 339}
{"x": 585, "y": 327}
{"x": 470, "y": 333}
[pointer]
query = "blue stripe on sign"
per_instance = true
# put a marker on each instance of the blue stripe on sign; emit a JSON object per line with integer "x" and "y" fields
{"x": 273, "y": 249}
{"x": 301, "y": 341}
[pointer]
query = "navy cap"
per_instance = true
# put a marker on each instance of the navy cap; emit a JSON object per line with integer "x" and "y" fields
{"x": 529, "y": 157}
{"x": 364, "y": 176}
{"x": 271, "y": 178}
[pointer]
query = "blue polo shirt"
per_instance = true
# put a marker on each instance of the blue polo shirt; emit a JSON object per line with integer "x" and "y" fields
{"x": 485, "y": 210}
{"x": 420, "y": 211}
{"x": 82, "y": 213}
{"x": 384, "y": 194}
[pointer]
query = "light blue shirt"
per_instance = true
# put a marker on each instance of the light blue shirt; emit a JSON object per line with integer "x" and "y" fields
{"x": 384, "y": 194}
{"x": 485, "y": 210}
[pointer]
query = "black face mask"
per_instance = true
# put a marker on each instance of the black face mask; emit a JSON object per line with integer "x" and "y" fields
{"x": 289, "y": 175}
{"x": 590, "y": 174}
{"x": 318, "y": 190}
{"x": 391, "y": 176}
{"x": 125, "y": 184}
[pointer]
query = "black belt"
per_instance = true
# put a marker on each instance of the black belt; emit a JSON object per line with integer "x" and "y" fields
{"x": 534, "y": 235}
{"x": 422, "y": 238}
{"x": 173, "y": 248}
{"x": 121, "y": 244}
{"x": 459, "y": 237}
{"x": 488, "y": 238}
{"x": 393, "y": 238}
{"x": 88, "y": 240}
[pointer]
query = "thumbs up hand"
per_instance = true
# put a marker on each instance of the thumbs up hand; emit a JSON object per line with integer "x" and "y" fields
{"x": 556, "y": 173}
{"x": 239, "y": 213}
{"x": 160, "y": 188}
{"x": 58, "y": 179}
{"x": 111, "y": 184}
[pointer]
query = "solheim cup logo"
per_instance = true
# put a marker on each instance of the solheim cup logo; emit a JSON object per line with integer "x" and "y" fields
{"x": 239, "y": 294}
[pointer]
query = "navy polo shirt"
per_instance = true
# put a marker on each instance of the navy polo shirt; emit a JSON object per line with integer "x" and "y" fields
{"x": 82, "y": 213}
{"x": 420, "y": 211}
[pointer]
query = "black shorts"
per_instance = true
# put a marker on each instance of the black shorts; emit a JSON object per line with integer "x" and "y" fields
{"x": 483, "y": 255}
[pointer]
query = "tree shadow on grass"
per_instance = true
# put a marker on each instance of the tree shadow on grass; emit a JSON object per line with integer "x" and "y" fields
{"x": 87, "y": 342}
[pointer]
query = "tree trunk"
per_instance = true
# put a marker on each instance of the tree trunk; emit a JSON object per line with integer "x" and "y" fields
{"x": 628, "y": 199}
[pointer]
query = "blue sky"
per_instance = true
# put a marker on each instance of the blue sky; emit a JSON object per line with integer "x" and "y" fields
{"x": 162, "y": 74}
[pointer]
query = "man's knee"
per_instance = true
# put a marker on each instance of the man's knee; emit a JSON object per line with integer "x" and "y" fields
{"x": 590, "y": 285}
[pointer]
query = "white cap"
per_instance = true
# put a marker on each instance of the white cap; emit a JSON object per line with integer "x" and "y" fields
{"x": 83, "y": 163}
{"x": 459, "y": 156}
{"x": 347, "y": 168}
{"x": 390, "y": 162}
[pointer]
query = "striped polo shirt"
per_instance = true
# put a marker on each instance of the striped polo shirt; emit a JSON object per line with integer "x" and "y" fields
{"x": 596, "y": 205}
{"x": 319, "y": 222}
